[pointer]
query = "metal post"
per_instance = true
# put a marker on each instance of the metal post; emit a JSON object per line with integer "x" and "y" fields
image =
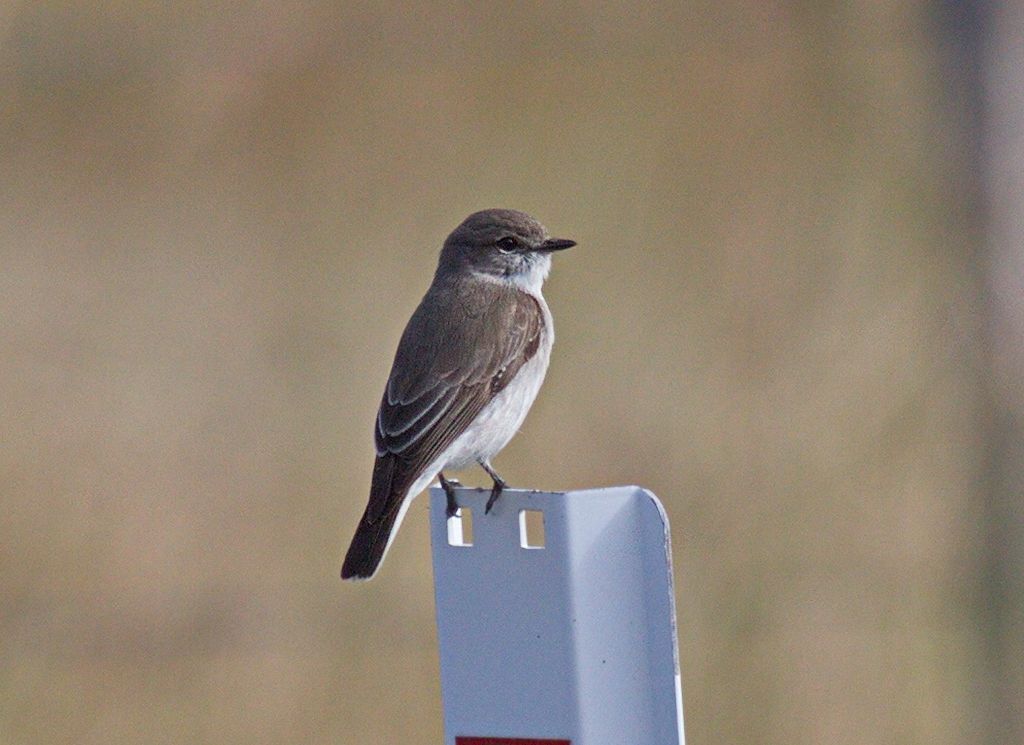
{"x": 573, "y": 641}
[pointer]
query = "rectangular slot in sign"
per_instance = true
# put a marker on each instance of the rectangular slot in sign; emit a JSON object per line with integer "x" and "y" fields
{"x": 531, "y": 529}
{"x": 507, "y": 741}
{"x": 460, "y": 527}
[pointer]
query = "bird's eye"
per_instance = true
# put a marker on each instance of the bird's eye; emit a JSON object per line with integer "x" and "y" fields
{"x": 508, "y": 243}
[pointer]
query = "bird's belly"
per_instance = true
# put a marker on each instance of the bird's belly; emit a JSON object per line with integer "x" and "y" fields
{"x": 501, "y": 418}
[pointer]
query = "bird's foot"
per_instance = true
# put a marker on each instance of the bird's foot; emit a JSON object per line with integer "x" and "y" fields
{"x": 499, "y": 485}
{"x": 496, "y": 490}
{"x": 449, "y": 492}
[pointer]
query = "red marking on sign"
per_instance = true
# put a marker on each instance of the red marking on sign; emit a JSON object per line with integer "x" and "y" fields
{"x": 507, "y": 741}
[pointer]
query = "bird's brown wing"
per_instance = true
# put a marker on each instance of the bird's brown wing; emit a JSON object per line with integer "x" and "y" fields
{"x": 454, "y": 357}
{"x": 452, "y": 360}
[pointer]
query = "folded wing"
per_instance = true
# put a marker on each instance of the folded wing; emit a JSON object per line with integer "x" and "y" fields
{"x": 452, "y": 360}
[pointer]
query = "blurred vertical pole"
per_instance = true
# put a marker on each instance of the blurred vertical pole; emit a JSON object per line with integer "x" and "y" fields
{"x": 983, "y": 43}
{"x": 1003, "y": 186}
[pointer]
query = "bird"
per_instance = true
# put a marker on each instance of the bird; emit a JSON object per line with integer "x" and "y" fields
{"x": 468, "y": 367}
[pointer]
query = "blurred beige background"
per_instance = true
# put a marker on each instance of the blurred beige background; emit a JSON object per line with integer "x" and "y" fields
{"x": 216, "y": 221}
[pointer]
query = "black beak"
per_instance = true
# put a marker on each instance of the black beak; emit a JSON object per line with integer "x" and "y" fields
{"x": 556, "y": 244}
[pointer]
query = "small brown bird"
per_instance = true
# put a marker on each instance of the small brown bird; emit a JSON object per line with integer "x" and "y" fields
{"x": 468, "y": 368}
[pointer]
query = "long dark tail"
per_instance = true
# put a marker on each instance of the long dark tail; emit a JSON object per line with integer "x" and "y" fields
{"x": 368, "y": 546}
{"x": 373, "y": 535}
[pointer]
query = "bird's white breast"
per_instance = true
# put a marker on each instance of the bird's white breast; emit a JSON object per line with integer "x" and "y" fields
{"x": 501, "y": 418}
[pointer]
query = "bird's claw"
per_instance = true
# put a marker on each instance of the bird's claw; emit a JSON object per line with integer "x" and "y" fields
{"x": 448, "y": 485}
{"x": 495, "y": 493}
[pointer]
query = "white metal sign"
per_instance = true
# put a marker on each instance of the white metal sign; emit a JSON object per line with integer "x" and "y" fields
{"x": 556, "y": 619}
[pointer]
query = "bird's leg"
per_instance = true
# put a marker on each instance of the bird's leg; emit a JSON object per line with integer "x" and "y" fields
{"x": 499, "y": 484}
{"x": 449, "y": 492}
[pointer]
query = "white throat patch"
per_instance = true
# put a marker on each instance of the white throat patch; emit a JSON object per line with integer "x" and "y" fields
{"x": 531, "y": 279}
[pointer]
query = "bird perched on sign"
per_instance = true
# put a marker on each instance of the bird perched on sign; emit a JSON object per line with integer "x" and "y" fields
{"x": 467, "y": 370}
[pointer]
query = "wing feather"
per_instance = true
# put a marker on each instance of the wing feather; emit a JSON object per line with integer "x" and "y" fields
{"x": 454, "y": 357}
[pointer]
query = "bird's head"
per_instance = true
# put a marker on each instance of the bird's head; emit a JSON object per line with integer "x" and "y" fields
{"x": 504, "y": 245}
